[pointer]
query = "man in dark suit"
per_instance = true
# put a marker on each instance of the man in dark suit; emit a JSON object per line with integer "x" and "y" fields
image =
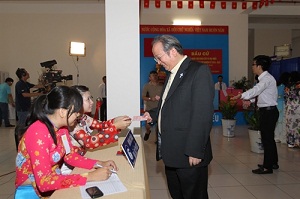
{"x": 185, "y": 113}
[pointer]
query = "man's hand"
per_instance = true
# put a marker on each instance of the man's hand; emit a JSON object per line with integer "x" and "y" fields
{"x": 238, "y": 96}
{"x": 246, "y": 104}
{"x": 194, "y": 161}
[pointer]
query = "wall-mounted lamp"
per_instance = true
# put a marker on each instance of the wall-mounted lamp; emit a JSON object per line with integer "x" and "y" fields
{"x": 187, "y": 22}
{"x": 77, "y": 49}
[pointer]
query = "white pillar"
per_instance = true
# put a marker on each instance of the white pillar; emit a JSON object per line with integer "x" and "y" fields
{"x": 122, "y": 58}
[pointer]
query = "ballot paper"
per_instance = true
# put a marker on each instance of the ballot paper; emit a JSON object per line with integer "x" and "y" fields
{"x": 139, "y": 118}
{"x": 110, "y": 186}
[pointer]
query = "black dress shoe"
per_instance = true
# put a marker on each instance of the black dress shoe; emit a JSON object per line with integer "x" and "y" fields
{"x": 262, "y": 171}
{"x": 146, "y": 136}
{"x": 275, "y": 166}
{"x": 10, "y": 125}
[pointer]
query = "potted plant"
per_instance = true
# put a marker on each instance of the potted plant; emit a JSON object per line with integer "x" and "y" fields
{"x": 252, "y": 118}
{"x": 229, "y": 109}
{"x": 243, "y": 84}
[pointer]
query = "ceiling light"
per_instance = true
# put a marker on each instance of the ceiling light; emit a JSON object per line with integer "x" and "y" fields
{"x": 187, "y": 22}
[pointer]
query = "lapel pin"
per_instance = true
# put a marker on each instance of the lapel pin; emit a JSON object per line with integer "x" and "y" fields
{"x": 181, "y": 75}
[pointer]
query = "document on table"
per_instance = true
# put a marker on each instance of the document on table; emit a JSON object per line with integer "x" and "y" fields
{"x": 110, "y": 186}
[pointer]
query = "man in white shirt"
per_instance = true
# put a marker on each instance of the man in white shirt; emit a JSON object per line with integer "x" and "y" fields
{"x": 220, "y": 85}
{"x": 266, "y": 90}
{"x": 102, "y": 96}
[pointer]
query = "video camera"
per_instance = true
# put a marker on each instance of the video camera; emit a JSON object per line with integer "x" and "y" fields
{"x": 51, "y": 76}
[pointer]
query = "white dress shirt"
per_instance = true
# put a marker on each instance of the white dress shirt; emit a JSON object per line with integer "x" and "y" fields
{"x": 102, "y": 90}
{"x": 265, "y": 89}
{"x": 217, "y": 86}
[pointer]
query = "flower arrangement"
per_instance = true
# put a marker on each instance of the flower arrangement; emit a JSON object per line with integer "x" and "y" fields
{"x": 228, "y": 108}
{"x": 243, "y": 84}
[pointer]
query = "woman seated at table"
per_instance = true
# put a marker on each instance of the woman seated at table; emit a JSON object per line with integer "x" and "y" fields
{"x": 46, "y": 144}
{"x": 82, "y": 136}
{"x": 107, "y": 130}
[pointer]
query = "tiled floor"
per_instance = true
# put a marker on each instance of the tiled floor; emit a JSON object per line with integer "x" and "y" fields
{"x": 230, "y": 174}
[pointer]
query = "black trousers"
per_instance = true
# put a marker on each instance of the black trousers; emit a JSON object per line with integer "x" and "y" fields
{"x": 4, "y": 113}
{"x": 103, "y": 113}
{"x": 268, "y": 120}
{"x": 187, "y": 183}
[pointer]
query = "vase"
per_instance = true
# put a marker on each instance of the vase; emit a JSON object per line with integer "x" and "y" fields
{"x": 255, "y": 141}
{"x": 228, "y": 127}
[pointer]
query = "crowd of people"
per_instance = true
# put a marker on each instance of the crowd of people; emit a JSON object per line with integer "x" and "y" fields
{"x": 54, "y": 131}
{"x": 52, "y": 135}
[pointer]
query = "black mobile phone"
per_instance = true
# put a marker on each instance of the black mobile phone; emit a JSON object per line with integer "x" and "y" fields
{"x": 94, "y": 192}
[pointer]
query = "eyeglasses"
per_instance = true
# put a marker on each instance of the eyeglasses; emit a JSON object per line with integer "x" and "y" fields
{"x": 158, "y": 59}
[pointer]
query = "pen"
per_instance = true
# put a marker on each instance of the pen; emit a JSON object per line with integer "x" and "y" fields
{"x": 100, "y": 166}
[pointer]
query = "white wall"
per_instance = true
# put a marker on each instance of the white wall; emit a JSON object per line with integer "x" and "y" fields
{"x": 296, "y": 43}
{"x": 40, "y": 33}
{"x": 122, "y": 59}
{"x": 35, "y": 32}
{"x": 266, "y": 39}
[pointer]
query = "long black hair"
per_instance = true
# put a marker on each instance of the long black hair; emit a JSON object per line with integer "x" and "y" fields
{"x": 59, "y": 97}
{"x": 81, "y": 88}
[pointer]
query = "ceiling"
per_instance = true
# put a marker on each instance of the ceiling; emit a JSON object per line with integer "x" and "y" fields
{"x": 253, "y": 18}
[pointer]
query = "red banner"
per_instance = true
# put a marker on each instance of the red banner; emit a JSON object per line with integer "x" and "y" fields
{"x": 201, "y": 4}
{"x": 234, "y": 5}
{"x": 169, "y": 29}
{"x": 266, "y": 2}
{"x": 179, "y": 4}
{"x": 191, "y": 5}
{"x": 212, "y": 5}
{"x": 261, "y": 3}
{"x": 254, "y": 5}
{"x": 157, "y": 3}
{"x": 168, "y": 4}
{"x": 223, "y": 5}
{"x": 210, "y": 57}
{"x": 244, "y": 5}
{"x": 146, "y": 3}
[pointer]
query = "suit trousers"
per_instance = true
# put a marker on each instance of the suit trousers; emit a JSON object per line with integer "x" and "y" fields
{"x": 268, "y": 120}
{"x": 187, "y": 183}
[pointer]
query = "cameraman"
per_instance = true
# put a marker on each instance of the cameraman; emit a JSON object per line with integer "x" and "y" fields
{"x": 23, "y": 97}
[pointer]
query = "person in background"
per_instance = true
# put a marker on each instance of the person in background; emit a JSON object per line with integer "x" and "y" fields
{"x": 220, "y": 85}
{"x": 185, "y": 112}
{"x": 292, "y": 109}
{"x": 46, "y": 144}
{"x": 23, "y": 98}
{"x": 102, "y": 96}
{"x": 5, "y": 98}
{"x": 82, "y": 136}
{"x": 151, "y": 95}
{"x": 266, "y": 90}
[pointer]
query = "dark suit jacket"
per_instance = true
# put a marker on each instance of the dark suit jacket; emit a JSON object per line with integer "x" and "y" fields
{"x": 186, "y": 116}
